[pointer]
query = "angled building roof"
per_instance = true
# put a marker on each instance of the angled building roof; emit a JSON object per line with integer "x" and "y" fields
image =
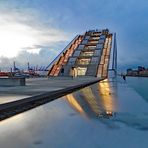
{"x": 86, "y": 55}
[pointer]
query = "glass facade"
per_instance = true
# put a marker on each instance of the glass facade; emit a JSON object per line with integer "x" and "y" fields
{"x": 89, "y": 54}
{"x": 90, "y": 47}
{"x": 83, "y": 61}
{"x": 81, "y": 71}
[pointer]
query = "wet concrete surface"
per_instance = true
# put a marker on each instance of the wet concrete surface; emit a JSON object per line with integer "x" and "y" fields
{"x": 37, "y": 86}
{"x": 105, "y": 115}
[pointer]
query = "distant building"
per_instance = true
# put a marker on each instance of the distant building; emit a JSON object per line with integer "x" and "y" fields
{"x": 140, "y": 71}
{"x": 129, "y": 71}
{"x": 140, "y": 68}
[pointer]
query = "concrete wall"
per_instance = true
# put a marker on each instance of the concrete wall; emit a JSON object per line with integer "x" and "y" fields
{"x": 12, "y": 82}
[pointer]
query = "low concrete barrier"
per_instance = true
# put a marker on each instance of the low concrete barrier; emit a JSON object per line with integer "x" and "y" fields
{"x": 12, "y": 82}
{"x": 12, "y": 108}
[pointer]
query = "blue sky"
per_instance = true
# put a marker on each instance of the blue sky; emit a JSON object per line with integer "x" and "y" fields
{"x": 48, "y": 25}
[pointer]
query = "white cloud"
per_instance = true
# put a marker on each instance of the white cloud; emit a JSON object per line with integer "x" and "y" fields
{"x": 17, "y": 33}
{"x": 34, "y": 50}
{"x": 42, "y": 58}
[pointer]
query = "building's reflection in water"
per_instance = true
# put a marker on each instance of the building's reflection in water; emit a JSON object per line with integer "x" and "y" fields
{"x": 74, "y": 103}
{"x": 95, "y": 101}
{"x": 107, "y": 97}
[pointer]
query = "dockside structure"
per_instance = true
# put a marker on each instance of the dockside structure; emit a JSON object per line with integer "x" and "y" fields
{"x": 87, "y": 54}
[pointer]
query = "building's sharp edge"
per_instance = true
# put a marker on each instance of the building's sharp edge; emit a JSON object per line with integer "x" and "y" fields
{"x": 12, "y": 108}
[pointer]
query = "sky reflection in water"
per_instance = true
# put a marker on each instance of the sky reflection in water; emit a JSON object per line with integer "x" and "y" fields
{"x": 68, "y": 121}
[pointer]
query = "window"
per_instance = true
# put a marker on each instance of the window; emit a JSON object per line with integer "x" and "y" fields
{"x": 76, "y": 53}
{"x": 81, "y": 71}
{"x": 90, "y": 47}
{"x": 94, "y": 38}
{"x": 92, "y": 42}
{"x": 87, "y": 53}
{"x": 71, "y": 61}
{"x": 83, "y": 61}
{"x": 81, "y": 47}
{"x": 84, "y": 42}
{"x": 94, "y": 60}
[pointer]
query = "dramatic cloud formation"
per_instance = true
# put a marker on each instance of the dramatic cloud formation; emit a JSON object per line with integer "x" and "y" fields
{"x": 23, "y": 38}
{"x": 15, "y": 35}
{"x": 32, "y": 24}
{"x": 42, "y": 58}
{"x": 38, "y": 56}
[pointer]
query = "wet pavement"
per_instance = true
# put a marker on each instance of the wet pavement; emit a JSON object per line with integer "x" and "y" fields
{"x": 105, "y": 115}
{"x": 37, "y": 86}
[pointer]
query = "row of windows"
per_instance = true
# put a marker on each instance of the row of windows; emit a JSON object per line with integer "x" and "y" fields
{"x": 87, "y": 53}
{"x": 83, "y": 61}
{"x": 91, "y": 47}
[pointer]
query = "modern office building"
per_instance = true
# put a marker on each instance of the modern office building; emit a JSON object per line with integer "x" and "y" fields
{"x": 86, "y": 55}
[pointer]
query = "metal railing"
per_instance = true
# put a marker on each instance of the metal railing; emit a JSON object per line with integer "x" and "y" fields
{"x": 114, "y": 63}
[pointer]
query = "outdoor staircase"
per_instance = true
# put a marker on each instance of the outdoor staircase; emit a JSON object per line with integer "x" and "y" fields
{"x": 63, "y": 59}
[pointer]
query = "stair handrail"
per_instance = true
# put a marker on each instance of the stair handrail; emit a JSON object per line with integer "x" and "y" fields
{"x": 53, "y": 61}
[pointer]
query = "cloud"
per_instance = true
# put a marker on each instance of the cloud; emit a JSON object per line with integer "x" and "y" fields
{"x": 42, "y": 58}
{"x": 20, "y": 30}
{"x": 46, "y": 23}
